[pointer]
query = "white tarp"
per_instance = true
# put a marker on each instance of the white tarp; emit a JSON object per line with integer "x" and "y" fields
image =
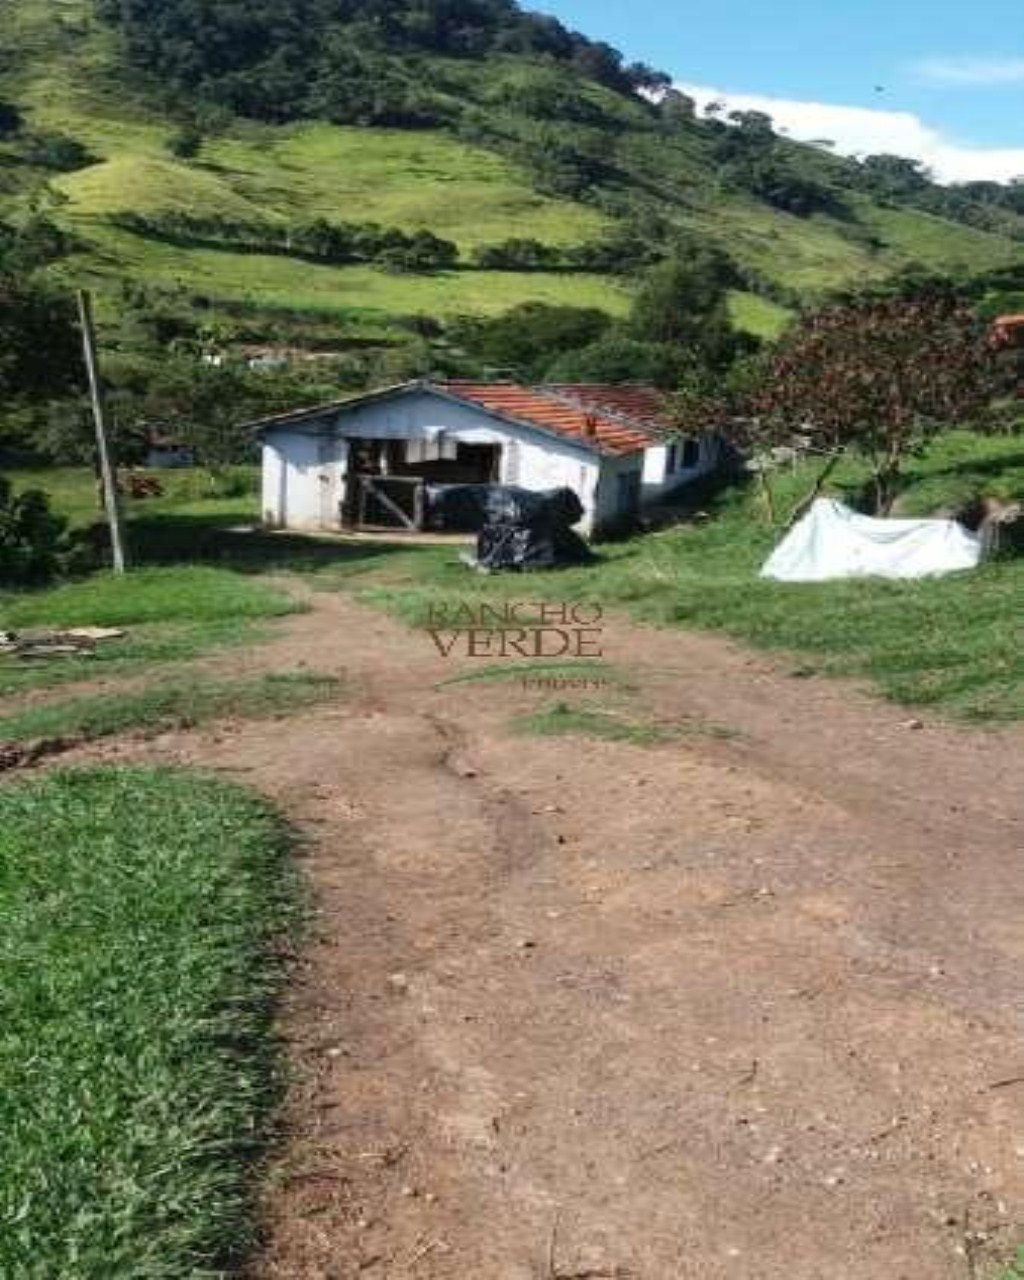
{"x": 831, "y": 541}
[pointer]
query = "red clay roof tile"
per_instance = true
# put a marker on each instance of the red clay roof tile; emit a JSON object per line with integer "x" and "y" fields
{"x": 615, "y": 420}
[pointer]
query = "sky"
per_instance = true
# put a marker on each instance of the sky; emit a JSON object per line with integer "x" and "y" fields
{"x": 938, "y": 80}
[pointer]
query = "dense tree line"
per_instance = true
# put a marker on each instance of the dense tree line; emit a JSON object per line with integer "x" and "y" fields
{"x": 752, "y": 157}
{"x": 366, "y": 242}
{"x": 320, "y": 240}
{"x": 343, "y": 59}
{"x": 897, "y": 180}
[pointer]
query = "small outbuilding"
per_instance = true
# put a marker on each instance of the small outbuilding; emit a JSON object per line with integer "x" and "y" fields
{"x": 375, "y": 461}
{"x": 164, "y": 452}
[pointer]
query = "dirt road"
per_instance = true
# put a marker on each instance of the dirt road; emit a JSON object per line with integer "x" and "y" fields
{"x": 741, "y": 1006}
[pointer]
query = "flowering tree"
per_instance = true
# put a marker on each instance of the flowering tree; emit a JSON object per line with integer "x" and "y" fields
{"x": 877, "y": 378}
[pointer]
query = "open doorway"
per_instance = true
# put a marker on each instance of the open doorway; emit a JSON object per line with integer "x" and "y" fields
{"x": 388, "y": 479}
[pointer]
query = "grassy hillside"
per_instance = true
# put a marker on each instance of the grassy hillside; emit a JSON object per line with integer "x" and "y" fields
{"x": 64, "y": 69}
{"x": 410, "y": 180}
{"x": 348, "y": 293}
{"x": 61, "y": 71}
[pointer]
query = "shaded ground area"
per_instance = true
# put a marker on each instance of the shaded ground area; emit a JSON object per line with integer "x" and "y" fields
{"x": 746, "y": 1002}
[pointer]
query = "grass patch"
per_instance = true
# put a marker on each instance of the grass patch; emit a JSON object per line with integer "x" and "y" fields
{"x": 231, "y": 491}
{"x": 1015, "y": 1271}
{"x": 143, "y": 647}
{"x": 562, "y": 721}
{"x": 759, "y": 316}
{"x": 171, "y": 615}
{"x": 934, "y": 242}
{"x": 141, "y": 909}
{"x": 169, "y": 705}
{"x": 565, "y": 721}
{"x": 396, "y": 177}
{"x": 186, "y": 593}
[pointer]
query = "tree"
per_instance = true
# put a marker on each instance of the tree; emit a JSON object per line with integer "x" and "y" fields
{"x": 39, "y": 354}
{"x": 880, "y": 379}
{"x": 528, "y": 337}
{"x": 777, "y": 182}
{"x": 422, "y": 251}
{"x": 617, "y": 357}
{"x": 894, "y": 176}
{"x": 207, "y": 406}
{"x": 34, "y": 243}
{"x": 677, "y": 109}
{"x": 565, "y": 165}
{"x": 755, "y": 128}
{"x": 683, "y": 302}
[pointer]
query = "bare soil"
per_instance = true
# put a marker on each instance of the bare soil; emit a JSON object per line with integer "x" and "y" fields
{"x": 741, "y": 1006}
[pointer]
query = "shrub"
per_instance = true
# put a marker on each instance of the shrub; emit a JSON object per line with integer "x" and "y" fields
{"x": 517, "y": 254}
{"x": 10, "y": 119}
{"x": 32, "y": 538}
{"x": 57, "y": 151}
{"x": 187, "y": 143}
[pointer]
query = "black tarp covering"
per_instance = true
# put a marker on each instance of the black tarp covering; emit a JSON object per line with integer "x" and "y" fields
{"x": 517, "y": 529}
{"x": 524, "y": 530}
{"x": 457, "y": 508}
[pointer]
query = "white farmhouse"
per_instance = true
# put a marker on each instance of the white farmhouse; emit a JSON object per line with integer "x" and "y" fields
{"x": 367, "y": 462}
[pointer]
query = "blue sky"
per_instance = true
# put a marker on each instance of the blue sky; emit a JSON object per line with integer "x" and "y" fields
{"x": 951, "y": 75}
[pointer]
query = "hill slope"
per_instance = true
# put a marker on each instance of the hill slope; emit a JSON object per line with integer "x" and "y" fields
{"x": 509, "y": 153}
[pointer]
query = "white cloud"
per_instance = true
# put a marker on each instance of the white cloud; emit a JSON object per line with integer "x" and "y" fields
{"x": 971, "y": 71}
{"x": 870, "y": 130}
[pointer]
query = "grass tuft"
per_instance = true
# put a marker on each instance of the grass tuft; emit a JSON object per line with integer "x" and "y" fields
{"x": 141, "y": 909}
{"x": 563, "y": 720}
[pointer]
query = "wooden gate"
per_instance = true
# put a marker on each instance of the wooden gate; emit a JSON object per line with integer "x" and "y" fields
{"x": 391, "y": 502}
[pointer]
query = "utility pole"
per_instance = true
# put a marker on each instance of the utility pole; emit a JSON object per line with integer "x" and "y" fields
{"x": 100, "y": 418}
